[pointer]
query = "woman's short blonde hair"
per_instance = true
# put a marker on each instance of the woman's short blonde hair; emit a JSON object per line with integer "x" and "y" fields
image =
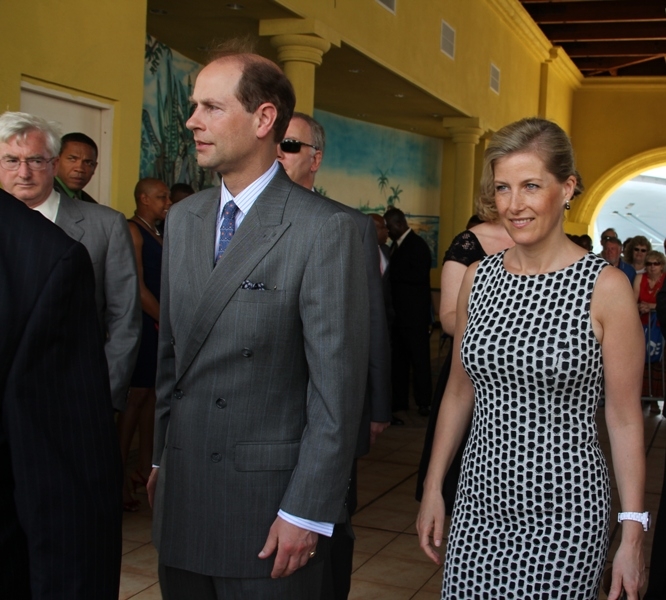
{"x": 656, "y": 256}
{"x": 545, "y": 138}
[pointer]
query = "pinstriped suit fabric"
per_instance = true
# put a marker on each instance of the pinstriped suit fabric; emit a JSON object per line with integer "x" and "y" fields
{"x": 58, "y": 452}
{"x": 259, "y": 389}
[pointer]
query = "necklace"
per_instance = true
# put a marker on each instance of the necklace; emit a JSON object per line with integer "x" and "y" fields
{"x": 151, "y": 227}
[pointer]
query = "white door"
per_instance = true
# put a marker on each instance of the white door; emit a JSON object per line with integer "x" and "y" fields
{"x": 77, "y": 114}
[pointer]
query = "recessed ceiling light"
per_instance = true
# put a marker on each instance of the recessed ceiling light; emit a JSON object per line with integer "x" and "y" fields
{"x": 355, "y": 71}
{"x": 435, "y": 115}
{"x": 399, "y": 95}
{"x": 158, "y": 11}
{"x": 234, "y": 6}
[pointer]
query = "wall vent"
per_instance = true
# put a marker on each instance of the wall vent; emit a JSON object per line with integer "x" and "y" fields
{"x": 447, "y": 42}
{"x": 388, "y": 4}
{"x": 494, "y": 78}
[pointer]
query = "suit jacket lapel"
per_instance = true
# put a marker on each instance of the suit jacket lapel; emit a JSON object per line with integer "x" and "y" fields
{"x": 69, "y": 216}
{"x": 200, "y": 232}
{"x": 258, "y": 233}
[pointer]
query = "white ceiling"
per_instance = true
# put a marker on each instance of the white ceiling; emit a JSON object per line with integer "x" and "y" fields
{"x": 638, "y": 207}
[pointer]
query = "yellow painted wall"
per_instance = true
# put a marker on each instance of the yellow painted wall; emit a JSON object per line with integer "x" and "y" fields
{"x": 92, "y": 49}
{"x": 408, "y": 43}
{"x": 614, "y": 122}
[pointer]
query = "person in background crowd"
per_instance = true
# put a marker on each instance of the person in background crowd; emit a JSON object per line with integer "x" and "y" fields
{"x": 77, "y": 164}
{"x": 636, "y": 252}
{"x": 30, "y": 146}
{"x": 152, "y": 204}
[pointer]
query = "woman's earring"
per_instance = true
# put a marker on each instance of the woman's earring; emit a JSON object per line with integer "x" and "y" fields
{"x": 567, "y": 206}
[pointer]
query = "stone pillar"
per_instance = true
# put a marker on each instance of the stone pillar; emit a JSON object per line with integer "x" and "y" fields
{"x": 301, "y": 45}
{"x": 465, "y": 133}
{"x": 299, "y": 55}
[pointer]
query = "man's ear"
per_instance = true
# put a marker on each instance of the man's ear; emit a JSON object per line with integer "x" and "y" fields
{"x": 266, "y": 114}
{"x": 316, "y": 161}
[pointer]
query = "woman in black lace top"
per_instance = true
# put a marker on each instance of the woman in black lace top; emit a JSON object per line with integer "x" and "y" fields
{"x": 466, "y": 248}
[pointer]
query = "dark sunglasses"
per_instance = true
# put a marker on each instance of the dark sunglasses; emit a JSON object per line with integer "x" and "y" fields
{"x": 294, "y": 146}
{"x": 640, "y": 249}
{"x": 649, "y": 263}
{"x": 605, "y": 238}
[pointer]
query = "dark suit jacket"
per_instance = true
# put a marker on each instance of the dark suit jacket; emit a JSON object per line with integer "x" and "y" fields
{"x": 257, "y": 395}
{"x": 377, "y": 405}
{"x": 410, "y": 282}
{"x": 105, "y": 234}
{"x": 60, "y": 473}
{"x": 386, "y": 286}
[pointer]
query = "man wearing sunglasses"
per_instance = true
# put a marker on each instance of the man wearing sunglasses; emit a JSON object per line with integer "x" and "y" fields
{"x": 301, "y": 152}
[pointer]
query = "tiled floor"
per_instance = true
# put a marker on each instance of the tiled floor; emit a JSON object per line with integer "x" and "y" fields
{"x": 388, "y": 563}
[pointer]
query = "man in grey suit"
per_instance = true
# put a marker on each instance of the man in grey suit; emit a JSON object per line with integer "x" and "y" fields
{"x": 31, "y": 145}
{"x": 300, "y": 153}
{"x": 263, "y": 342}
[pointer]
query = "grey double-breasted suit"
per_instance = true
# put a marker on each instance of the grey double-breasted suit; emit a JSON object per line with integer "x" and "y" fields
{"x": 104, "y": 233}
{"x": 258, "y": 390}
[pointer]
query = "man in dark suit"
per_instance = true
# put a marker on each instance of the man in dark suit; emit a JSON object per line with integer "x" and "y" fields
{"x": 262, "y": 354}
{"x": 410, "y": 334}
{"x": 301, "y": 153}
{"x": 76, "y": 166}
{"x": 102, "y": 230}
{"x": 60, "y": 474}
{"x": 385, "y": 253}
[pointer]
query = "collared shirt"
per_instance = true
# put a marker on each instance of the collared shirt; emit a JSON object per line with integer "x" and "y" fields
{"x": 70, "y": 193}
{"x": 401, "y": 239}
{"x": 244, "y": 199}
{"x": 49, "y": 208}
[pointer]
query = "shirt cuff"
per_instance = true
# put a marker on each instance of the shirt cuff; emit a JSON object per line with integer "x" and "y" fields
{"x": 315, "y": 526}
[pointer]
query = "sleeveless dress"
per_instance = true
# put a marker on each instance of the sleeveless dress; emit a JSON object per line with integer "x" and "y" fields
{"x": 464, "y": 249}
{"x": 145, "y": 370}
{"x": 532, "y": 509}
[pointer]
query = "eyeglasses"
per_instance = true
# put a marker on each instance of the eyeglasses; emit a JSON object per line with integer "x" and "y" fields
{"x": 605, "y": 238}
{"x": 640, "y": 249}
{"x": 294, "y": 146}
{"x": 37, "y": 163}
{"x": 649, "y": 263}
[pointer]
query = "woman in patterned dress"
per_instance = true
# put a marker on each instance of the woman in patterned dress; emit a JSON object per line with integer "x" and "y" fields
{"x": 540, "y": 328}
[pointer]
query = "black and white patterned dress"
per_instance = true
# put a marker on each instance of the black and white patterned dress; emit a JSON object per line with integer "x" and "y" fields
{"x": 531, "y": 514}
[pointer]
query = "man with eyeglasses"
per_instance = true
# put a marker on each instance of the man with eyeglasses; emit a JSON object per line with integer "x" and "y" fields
{"x": 301, "y": 152}
{"x": 29, "y": 148}
{"x": 76, "y": 166}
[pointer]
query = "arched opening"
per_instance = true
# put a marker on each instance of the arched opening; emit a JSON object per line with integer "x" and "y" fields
{"x": 586, "y": 209}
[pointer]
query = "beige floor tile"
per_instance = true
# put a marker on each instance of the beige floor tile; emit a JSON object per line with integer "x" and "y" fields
{"x": 399, "y": 501}
{"x": 427, "y": 595}
{"x": 434, "y": 584}
{"x": 142, "y": 561}
{"x": 368, "y": 590}
{"x": 372, "y": 540}
{"x": 400, "y": 572}
{"x": 129, "y": 545}
{"x": 404, "y": 456}
{"x": 131, "y": 584}
{"x": 406, "y": 546}
{"x": 152, "y": 593}
{"x": 382, "y": 518}
{"x": 359, "y": 559}
{"x": 137, "y": 528}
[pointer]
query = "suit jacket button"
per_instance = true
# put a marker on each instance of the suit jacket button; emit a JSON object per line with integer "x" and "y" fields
{"x": 247, "y": 353}
{"x": 178, "y": 394}
{"x": 173, "y": 341}
{"x": 221, "y": 403}
{"x": 215, "y": 457}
